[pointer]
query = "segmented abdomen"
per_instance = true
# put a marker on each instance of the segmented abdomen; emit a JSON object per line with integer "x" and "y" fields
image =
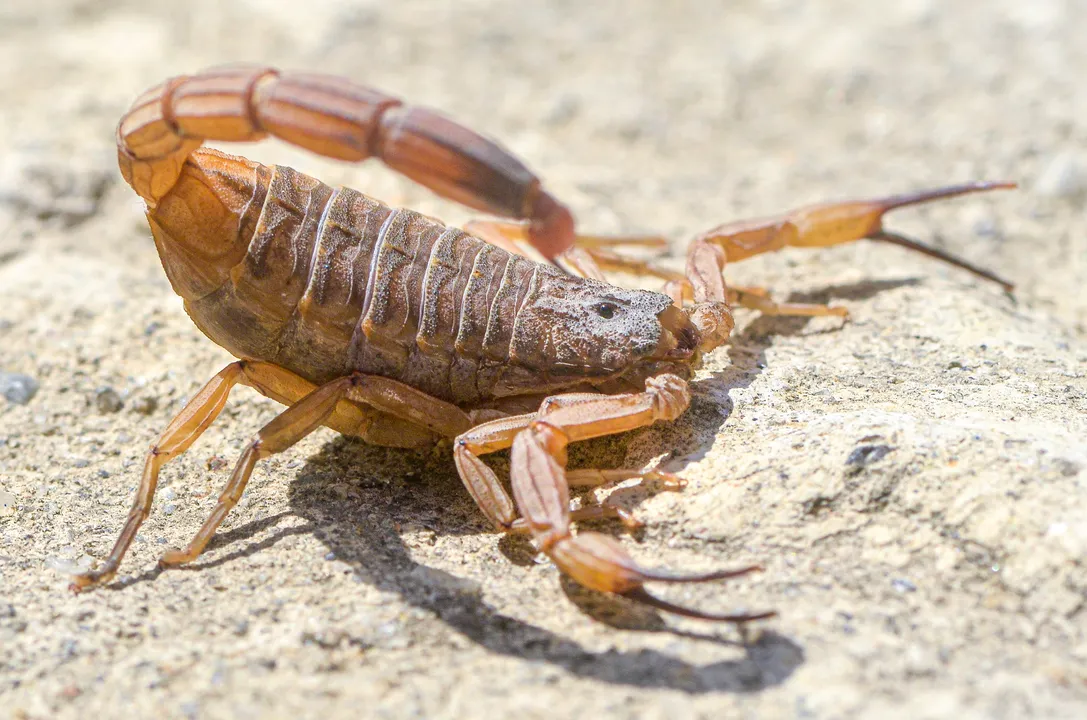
{"x": 333, "y": 281}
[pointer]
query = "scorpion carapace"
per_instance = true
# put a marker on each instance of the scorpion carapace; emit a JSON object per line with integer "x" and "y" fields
{"x": 389, "y": 326}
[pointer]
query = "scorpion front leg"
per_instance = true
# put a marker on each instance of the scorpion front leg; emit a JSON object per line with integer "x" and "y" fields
{"x": 539, "y": 479}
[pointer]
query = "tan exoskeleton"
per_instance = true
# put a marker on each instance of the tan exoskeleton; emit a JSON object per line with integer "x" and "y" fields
{"x": 386, "y": 325}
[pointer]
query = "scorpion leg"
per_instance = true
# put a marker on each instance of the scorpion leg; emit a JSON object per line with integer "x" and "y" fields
{"x": 274, "y": 382}
{"x": 197, "y": 415}
{"x": 587, "y": 257}
{"x": 486, "y": 489}
{"x": 478, "y": 477}
{"x": 540, "y": 486}
{"x": 305, "y": 416}
{"x": 592, "y": 477}
{"x": 573, "y": 259}
{"x": 287, "y": 428}
{"x": 814, "y": 226}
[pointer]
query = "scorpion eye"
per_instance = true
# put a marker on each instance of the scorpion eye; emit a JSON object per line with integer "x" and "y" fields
{"x": 606, "y": 310}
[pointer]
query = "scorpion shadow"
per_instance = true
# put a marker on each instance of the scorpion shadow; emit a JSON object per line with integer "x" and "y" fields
{"x": 377, "y": 554}
{"x": 355, "y": 498}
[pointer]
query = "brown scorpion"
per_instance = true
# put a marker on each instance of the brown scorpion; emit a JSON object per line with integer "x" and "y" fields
{"x": 389, "y": 326}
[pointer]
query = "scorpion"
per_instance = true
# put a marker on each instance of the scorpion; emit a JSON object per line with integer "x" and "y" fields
{"x": 387, "y": 325}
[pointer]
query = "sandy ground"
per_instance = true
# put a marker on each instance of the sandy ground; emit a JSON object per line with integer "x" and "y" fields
{"x": 913, "y": 481}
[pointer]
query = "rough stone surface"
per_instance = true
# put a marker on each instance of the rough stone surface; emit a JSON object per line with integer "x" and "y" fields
{"x": 912, "y": 481}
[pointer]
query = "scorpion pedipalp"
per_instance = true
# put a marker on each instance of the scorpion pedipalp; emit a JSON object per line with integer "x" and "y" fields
{"x": 600, "y": 562}
{"x": 540, "y": 487}
{"x": 820, "y": 225}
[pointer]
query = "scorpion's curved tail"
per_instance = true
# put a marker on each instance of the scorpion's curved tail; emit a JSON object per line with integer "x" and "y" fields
{"x": 337, "y": 119}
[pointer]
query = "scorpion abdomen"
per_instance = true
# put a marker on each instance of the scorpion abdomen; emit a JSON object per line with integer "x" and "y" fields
{"x": 325, "y": 281}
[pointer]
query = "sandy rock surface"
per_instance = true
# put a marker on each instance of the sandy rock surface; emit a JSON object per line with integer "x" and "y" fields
{"x": 914, "y": 481}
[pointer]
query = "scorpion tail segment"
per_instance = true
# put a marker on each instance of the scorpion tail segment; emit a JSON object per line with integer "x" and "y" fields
{"x": 599, "y": 562}
{"x": 338, "y": 119}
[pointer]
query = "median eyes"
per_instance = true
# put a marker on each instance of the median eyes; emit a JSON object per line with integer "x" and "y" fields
{"x": 606, "y": 310}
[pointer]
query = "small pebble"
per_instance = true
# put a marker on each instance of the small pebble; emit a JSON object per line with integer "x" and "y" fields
{"x": 107, "y": 400}
{"x": 17, "y": 388}
{"x": 145, "y": 405}
{"x": 903, "y": 585}
{"x": 169, "y": 509}
{"x": 864, "y": 455}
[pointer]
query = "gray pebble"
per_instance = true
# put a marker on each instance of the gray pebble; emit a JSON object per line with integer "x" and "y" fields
{"x": 865, "y": 455}
{"x": 107, "y": 400}
{"x": 17, "y": 388}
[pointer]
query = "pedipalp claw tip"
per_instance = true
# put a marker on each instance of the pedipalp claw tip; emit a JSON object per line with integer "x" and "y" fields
{"x": 641, "y": 595}
{"x": 664, "y": 576}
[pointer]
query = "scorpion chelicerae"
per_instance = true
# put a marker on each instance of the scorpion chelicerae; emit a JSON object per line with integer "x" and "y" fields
{"x": 389, "y": 326}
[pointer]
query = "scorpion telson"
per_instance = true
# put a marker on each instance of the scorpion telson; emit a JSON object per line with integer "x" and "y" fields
{"x": 389, "y": 326}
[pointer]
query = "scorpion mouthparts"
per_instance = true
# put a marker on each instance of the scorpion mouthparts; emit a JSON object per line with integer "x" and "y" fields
{"x": 680, "y": 338}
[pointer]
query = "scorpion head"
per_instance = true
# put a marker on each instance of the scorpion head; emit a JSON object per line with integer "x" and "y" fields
{"x": 573, "y": 331}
